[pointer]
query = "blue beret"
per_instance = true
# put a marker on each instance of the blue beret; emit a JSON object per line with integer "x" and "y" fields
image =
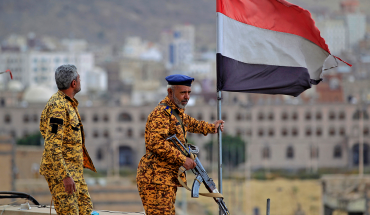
{"x": 179, "y": 80}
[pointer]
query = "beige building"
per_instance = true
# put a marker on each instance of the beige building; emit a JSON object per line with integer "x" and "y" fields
{"x": 278, "y": 136}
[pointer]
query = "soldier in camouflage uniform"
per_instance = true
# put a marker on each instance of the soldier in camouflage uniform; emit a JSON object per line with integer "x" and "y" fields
{"x": 65, "y": 154}
{"x": 157, "y": 171}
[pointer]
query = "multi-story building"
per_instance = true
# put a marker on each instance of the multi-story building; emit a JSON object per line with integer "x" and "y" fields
{"x": 178, "y": 45}
{"x": 142, "y": 80}
{"x": 335, "y": 34}
{"x": 278, "y": 136}
{"x": 34, "y": 68}
{"x": 356, "y": 27}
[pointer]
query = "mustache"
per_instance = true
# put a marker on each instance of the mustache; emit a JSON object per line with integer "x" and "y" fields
{"x": 185, "y": 100}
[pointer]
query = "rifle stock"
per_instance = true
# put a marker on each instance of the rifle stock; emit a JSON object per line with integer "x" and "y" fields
{"x": 196, "y": 185}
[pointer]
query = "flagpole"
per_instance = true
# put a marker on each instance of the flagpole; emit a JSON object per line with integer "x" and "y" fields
{"x": 219, "y": 48}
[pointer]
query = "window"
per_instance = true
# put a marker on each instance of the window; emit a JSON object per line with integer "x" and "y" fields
{"x": 337, "y": 151}
{"x": 7, "y": 119}
{"x": 284, "y": 116}
{"x": 124, "y": 117}
{"x": 331, "y": 115}
{"x": 248, "y": 117}
{"x": 200, "y": 116}
{"x": 106, "y": 134}
{"x": 266, "y": 152}
{"x": 295, "y": 116}
{"x": 126, "y": 156}
{"x": 359, "y": 114}
{"x": 342, "y": 115}
{"x": 239, "y": 117}
{"x": 295, "y": 132}
{"x": 224, "y": 116}
{"x": 35, "y": 118}
{"x": 106, "y": 118}
{"x": 284, "y": 132}
{"x": 271, "y": 116}
{"x": 308, "y": 132}
{"x": 260, "y": 132}
{"x": 99, "y": 154}
{"x": 342, "y": 131}
{"x": 213, "y": 117}
{"x": 318, "y": 132}
{"x": 82, "y": 117}
{"x": 95, "y": 134}
{"x": 261, "y": 117}
{"x": 142, "y": 117}
{"x": 239, "y": 132}
{"x": 366, "y": 131}
{"x": 26, "y": 119}
{"x": 314, "y": 152}
{"x": 129, "y": 133}
{"x": 25, "y": 133}
{"x": 332, "y": 131}
{"x": 318, "y": 116}
{"x": 95, "y": 118}
{"x": 290, "y": 152}
{"x": 271, "y": 132}
{"x": 12, "y": 133}
{"x": 308, "y": 116}
{"x": 249, "y": 132}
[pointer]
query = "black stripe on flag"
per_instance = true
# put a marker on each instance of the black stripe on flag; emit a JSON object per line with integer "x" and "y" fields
{"x": 236, "y": 76}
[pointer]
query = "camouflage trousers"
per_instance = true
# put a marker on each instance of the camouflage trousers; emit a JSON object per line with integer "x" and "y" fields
{"x": 158, "y": 199}
{"x": 78, "y": 203}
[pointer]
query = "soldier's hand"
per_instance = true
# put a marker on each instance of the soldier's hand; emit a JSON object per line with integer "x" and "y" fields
{"x": 69, "y": 185}
{"x": 219, "y": 123}
{"x": 189, "y": 163}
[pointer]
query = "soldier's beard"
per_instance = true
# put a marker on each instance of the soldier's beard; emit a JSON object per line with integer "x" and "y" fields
{"x": 77, "y": 90}
{"x": 178, "y": 102}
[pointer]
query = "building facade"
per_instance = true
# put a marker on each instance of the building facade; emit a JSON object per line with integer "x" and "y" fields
{"x": 278, "y": 136}
{"x": 38, "y": 68}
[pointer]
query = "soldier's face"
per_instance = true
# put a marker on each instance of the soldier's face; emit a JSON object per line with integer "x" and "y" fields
{"x": 181, "y": 95}
{"x": 78, "y": 84}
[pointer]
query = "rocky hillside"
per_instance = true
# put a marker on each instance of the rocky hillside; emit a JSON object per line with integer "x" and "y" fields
{"x": 110, "y": 21}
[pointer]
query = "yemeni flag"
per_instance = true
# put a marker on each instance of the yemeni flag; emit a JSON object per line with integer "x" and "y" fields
{"x": 267, "y": 46}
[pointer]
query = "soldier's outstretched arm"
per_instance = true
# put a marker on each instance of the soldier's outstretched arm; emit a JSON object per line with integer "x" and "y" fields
{"x": 199, "y": 126}
{"x": 158, "y": 127}
{"x": 56, "y": 124}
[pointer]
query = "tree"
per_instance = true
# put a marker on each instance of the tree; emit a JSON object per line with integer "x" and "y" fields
{"x": 34, "y": 139}
{"x": 233, "y": 150}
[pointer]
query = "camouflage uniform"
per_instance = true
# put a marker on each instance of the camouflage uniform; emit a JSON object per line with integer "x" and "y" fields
{"x": 157, "y": 171}
{"x": 65, "y": 154}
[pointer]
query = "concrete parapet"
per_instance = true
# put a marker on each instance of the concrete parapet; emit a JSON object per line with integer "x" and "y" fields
{"x": 36, "y": 210}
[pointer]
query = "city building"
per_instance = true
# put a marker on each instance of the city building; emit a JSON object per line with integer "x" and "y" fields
{"x": 335, "y": 34}
{"x": 32, "y": 68}
{"x": 178, "y": 45}
{"x": 281, "y": 136}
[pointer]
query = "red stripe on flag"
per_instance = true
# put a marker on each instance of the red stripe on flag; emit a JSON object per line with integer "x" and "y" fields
{"x": 343, "y": 61}
{"x": 275, "y": 15}
{"x": 10, "y": 72}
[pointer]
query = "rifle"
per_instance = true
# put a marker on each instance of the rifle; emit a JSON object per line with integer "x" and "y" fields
{"x": 201, "y": 176}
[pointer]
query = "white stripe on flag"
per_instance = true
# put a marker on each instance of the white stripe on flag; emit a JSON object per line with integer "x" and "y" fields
{"x": 252, "y": 45}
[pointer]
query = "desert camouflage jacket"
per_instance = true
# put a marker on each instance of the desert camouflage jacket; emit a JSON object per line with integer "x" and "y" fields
{"x": 65, "y": 154}
{"x": 162, "y": 160}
